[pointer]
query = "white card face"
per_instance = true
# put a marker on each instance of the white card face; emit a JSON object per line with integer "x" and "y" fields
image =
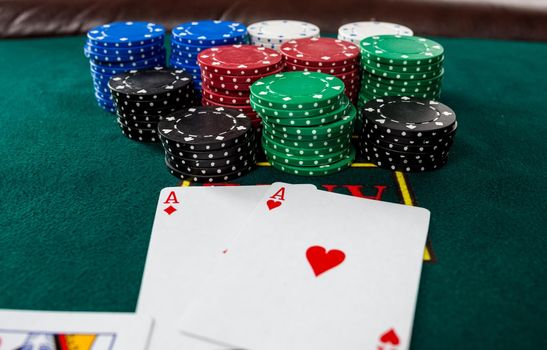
{"x": 52, "y": 330}
{"x": 192, "y": 227}
{"x": 315, "y": 270}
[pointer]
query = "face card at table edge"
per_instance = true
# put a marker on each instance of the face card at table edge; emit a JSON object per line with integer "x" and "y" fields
{"x": 319, "y": 271}
{"x": 192, "y": 228}
{"x": 27, "y": 329}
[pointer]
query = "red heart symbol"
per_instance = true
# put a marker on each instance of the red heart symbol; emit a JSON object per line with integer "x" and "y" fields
{"x": 322, "y": 261}
{"x": 272, "y": 204}
{"x": 390, "y": 337}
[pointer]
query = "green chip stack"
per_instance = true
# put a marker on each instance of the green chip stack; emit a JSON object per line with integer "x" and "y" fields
{"x": 307, "y": 122}
{"x": 394, "y": 65}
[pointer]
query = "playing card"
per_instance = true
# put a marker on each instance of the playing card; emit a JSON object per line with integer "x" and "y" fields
{"x": 52, "y": 330}
{"x": 315, "y": 270}
{"x": 192, "y": 229}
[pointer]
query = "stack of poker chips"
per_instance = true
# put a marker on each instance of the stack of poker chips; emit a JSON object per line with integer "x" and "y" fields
{"x": 332, "y": 56}
{"x": 395, "y": 65}
{"x": 208, "y": 144}
{"x": 146, "y": 97}
{"x": 357, "y": 31}
{"x": 307, "y": 122}
{"x": 189, "y": 39}
{"x": 407, "y": 134}
{"x": 227, "y": 73}
{"x": 119, "y": 47}
{"x": 272, "y": 34}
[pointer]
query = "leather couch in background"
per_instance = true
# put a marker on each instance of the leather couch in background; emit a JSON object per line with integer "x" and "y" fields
{"x": 503, "y": 19}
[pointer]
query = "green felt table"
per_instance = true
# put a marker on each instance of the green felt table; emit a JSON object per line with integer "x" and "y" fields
{"x": 78, "y": 198}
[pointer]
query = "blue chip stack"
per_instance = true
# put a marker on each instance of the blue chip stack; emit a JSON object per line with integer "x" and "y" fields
{"x": 189, "y": 39}
{"x": 120, "y": 47}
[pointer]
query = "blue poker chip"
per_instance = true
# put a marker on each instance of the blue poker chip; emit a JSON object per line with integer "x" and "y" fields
{"x": 190, "y": 69}
{"x": 177, "y": 46}
{"x": 210, "y": 32}
{"x": 126, "y": 34}
{"x": 117, "y": 51}
{"x": 179, "y": 63}
{"x": 184, "y": 54}
{"x": 105, "y": 97}
{"x": 160, "y": 62}
{"x": 132, "y": 64}
{"x": 123, "y": 58}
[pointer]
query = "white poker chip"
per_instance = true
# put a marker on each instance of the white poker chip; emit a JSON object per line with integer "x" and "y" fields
{"x": 357, "y": 31}
{"x": 280, "y": 31}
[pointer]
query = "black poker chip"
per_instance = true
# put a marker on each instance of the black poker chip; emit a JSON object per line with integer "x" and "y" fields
{"x": 374, "y": 132}
{"x": 138, "y": 125}
{"x": 407, "y": 116}
{"x": 250, "y": 160}
{"x": 148, "y": 111}
{"x": 149, "y": 82}
{"x": 408, "y": 167}
{"x": 212, "y": 163}
{"x": 141, "y": 118}
{"x": 209, "y": 178}
{"x": 205, "y": 128}
{"x": 136, "y": 136}
{"x": 430, "y": 148}
{"x": 185, "y": 100}
{"x": 242, "y": 148}
{"x": 171, "y": 94}
{"x": 398, "y": 156}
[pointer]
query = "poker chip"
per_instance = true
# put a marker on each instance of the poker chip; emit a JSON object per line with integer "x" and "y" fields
{"x": 324, "y": 55}
{"x": 189, "y": 39}
{"x": 307, "y": 122}
{"x": 357, "y": 31}
{"x": 273, "y": 33}
{"x": 320, "y": 52}
{"x": 399, "y": 65}
{"x": 217, "y": 138}
{"x": 228, "y": 72}
{"x": 144, "y": 98}
{"x": 407, "y": 134}
{"x": 119, "y": 47}
{"x": 126, "y": 34}
{"x": 209, "y": 32}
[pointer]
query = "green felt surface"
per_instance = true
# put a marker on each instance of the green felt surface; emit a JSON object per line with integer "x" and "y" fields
{"x": 78, "y": 199}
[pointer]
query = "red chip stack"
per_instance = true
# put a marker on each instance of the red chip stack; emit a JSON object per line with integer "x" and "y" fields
{"x": 326, "y": 55}
{"x": 227, "y": 73}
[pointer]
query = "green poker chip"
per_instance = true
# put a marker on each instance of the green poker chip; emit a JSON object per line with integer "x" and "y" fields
{"x": 374, "y": 91}
{"x": 338, "y": 127}
{"x": 401, "y": 50}
{"x": 403, "y": 89}
{"x": 403, "y": 76}
{"x": 316, "y": 170}
{"x": 298, "y": 160}
{"x": 308, "y": 143}
{"x": 397, "y": 82}
{"x": 297, "y": 90}
{"x": 329, "y": 117}
{"x": 292, "y": 113}
{"x": 301, "y": 151}
{"x": 404, "y": 69}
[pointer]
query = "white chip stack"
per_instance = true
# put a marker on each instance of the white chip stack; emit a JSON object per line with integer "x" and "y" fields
{"x": 357, "y": 31}
{"x": 272, "y": 34}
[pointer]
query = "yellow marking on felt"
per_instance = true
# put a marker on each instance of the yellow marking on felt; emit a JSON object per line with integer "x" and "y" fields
{"x": 363, "y": 165}
{"x": 185, "y": 183}
{"x": 79, "y": 341}
{"x": 407, "y": 199}
{"x": 263, "y": 164}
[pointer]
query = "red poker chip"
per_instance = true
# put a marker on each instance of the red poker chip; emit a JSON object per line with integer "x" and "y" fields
{"x": 225, "y": 86}
{"x": 226, "y": 99}
{"x": 352, "y": 74}
{"x": 241, "y": 108}
{"x": 320, "y": 52}
{"x": 238, "y": 93}
{"x": 236, "y": 79}
{"x": 239, "y": 60}
{"x": 328, "y": 70}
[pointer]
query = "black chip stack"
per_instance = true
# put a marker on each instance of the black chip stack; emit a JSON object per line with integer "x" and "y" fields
{"x": 208, "y": 144}
{"x": 145, "y": 97}
{"x": 407, "y": 134}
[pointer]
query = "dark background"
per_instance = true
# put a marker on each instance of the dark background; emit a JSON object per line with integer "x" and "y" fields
{"x": 501, "y": 19}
